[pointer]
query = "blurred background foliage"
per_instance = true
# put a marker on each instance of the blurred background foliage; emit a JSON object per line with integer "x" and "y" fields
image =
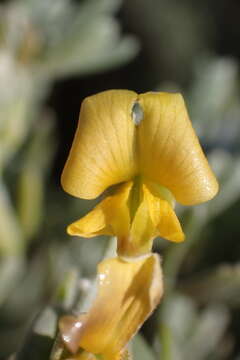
{"x": 52, "y": 55}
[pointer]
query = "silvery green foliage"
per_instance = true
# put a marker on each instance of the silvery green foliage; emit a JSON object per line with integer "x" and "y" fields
{"x": 41, "y": 41}
{"x": 140, "y": 349}
{"x": 15, "y": 102}
{"x": 221, "y": 284}
{"x": 217, "y": 86}
{"x": 186, "y": 331}
{"x": 59, "y": 38}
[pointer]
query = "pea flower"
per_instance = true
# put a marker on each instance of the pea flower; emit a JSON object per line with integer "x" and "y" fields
{"x": 142, "y": 151}
{"x": 128, "y": 291}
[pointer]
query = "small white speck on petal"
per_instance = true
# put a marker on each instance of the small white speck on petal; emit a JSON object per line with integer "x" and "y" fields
{"x": 137, "y": 113}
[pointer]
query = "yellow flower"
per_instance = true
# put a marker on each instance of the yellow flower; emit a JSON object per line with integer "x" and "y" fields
{"x": 143, "y": 148}
{"x": 128, "y": 292}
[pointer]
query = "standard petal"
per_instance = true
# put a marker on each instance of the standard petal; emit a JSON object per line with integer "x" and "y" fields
{"x": 103, "y": 150}
{"x": 127, "y": 294}
{"x": 109, "y": 217}
{"x": 170, "y": 153}
{"x": 164, "y": 218}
